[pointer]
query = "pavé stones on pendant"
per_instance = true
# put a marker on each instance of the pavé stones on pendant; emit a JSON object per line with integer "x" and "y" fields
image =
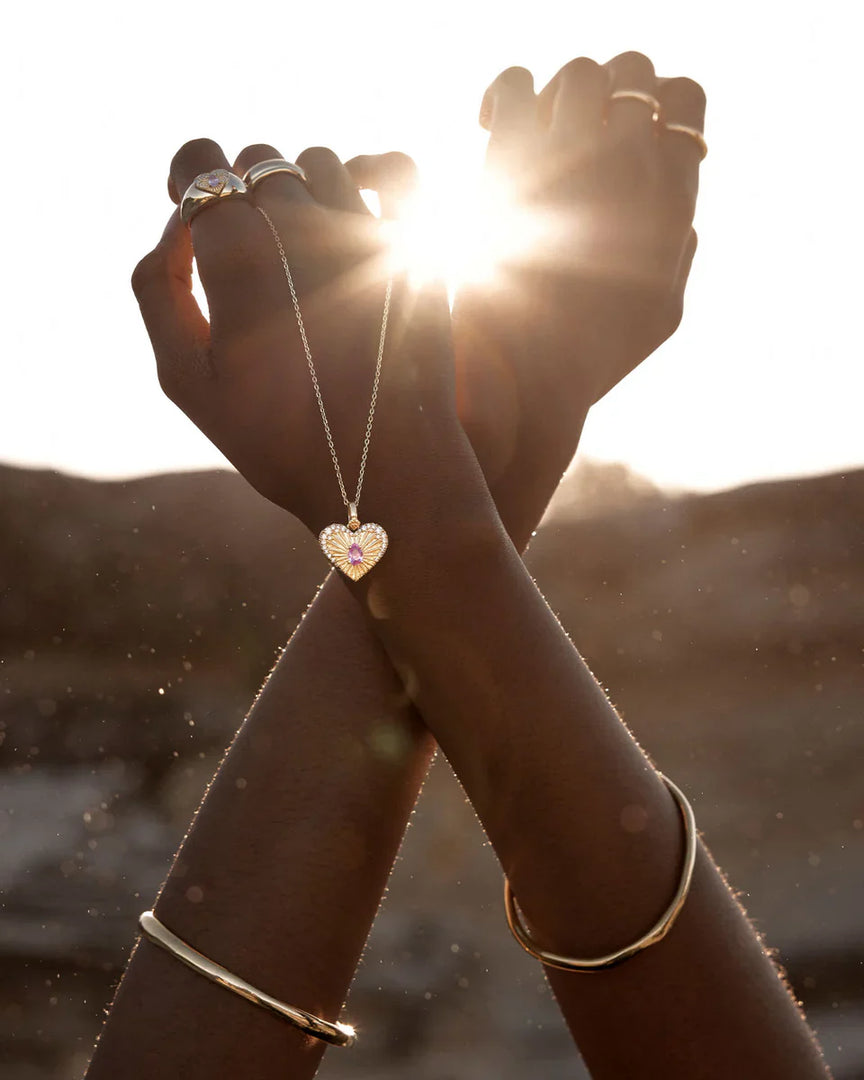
{"x": 214, "y": 182}
{"x": 353, "y": 551}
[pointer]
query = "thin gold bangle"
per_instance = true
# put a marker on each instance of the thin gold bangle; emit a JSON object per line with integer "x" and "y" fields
{"x": 657, "y": 932}
{"x": 334, "y": 1033}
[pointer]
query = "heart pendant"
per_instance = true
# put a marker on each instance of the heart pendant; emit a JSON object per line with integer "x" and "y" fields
{"x": 213, "y": 183}
{"x": 353, "y": 551}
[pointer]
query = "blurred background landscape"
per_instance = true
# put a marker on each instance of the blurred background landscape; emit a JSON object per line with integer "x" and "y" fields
{"x": 138, "y": 618}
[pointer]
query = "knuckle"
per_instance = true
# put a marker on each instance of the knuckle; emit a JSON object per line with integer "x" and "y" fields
{"x": 582, "y": 68}
{"x": 399, "y": 166}
{"x": 197, "y": 149}
{"x": 519, "y": 77}
{"x": 181, "y": 377}
{"x": 361, "y": 168}
{"x": 148, "y": 268}
{"x": 632, "y": 59}
{"x": 255, "y": 152}
{"x": 317, "y": 157}
{"x": 168, "y": 381}
{"x": 684, "y": 89}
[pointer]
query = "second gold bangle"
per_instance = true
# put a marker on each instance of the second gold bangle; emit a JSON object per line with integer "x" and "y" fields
{"x": 657, "y": 932}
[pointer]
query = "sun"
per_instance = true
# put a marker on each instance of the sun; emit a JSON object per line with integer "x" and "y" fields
{"x": 463, "y": 233}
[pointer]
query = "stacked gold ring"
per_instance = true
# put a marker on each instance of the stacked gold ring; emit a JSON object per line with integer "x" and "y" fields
{"x": 692, "y": 133}
{"x": 208, "y": 188}
{"x": 646, "y": 99}
{"x": 257, "y": 173}
{"x": 657, "y": 116}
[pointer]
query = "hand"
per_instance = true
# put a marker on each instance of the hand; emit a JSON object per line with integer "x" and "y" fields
{"x": 616, "y": 194}
{"x": 243, "y": 378}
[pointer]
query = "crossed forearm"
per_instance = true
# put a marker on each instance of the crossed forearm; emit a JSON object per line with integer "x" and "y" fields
{"x": 285, "y": 864}
{"x": 311, "y": 804}
{"x": 283, "y": 869}
{"x": 551, "y": 770}
{"x": 539, "y": 749}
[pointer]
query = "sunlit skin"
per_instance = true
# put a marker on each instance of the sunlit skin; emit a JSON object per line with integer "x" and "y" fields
{"x": 449, "y": 626}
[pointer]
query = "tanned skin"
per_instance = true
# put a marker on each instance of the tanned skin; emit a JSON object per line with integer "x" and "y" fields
{"x": 449, "y": 627}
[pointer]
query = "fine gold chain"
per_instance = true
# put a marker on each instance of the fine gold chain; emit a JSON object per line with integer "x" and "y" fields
{"x": 351, "y": 504}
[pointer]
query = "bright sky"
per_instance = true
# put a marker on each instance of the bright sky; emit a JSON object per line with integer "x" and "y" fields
{"x": 764, "y": 378}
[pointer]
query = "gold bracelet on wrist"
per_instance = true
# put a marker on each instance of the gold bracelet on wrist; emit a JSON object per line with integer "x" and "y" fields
{"x": 334, "y": 1033}
{"x": 657, "y": 932}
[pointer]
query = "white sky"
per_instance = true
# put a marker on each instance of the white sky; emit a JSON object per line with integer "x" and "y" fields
{"x": 764, "y": 378}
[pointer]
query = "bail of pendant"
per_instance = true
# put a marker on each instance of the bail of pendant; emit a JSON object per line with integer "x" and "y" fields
{"x": 353, "y": 520}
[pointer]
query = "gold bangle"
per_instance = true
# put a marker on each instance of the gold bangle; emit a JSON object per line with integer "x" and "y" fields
{"x": 336, "y": 1034}
{"x": 657, "y": 932}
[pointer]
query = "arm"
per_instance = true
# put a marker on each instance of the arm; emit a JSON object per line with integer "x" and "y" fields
{"x": 309, "y": 807}
{"x": 261, "y": 710}
{"x": 551, "y": 771}
{"x": 282, "y": 872}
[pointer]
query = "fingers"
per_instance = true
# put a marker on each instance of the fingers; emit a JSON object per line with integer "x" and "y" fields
{"x": 225, "y": 235}
{"x": 179, "y": 333}
{"x": 237, "y": 258}
{"x": 683, "y": 103}
{"x": 572, "y": 105}
{"x": 192, "y": 159}
{"x": 329, "y": 180}
{"x": 393, "y": 177}
{"x": 572, "y": 111}
{"x": 281, "y": 186}
{"x": 631, "y": 120}
{"x": 509, "y": 113}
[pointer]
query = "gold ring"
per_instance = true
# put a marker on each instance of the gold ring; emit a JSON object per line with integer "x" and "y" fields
{"x": 208, "y": 188}
{"x": 646, "y": 99}
{"x": 693, "y": 133}
{"x": 257, "y": 173}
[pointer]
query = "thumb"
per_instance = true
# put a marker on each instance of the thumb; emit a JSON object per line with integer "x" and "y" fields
{"x": 178, "y": 331}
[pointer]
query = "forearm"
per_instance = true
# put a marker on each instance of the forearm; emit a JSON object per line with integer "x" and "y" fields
{"x": 283, "y": 869}
{"x": 308, "y": 808}
{"x": 584, "y": 827}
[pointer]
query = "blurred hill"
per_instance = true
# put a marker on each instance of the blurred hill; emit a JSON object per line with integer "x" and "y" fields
{"x": 137, "y": 619}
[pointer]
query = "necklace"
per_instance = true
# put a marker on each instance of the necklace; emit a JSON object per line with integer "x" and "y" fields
{"x": 356, "y": 547}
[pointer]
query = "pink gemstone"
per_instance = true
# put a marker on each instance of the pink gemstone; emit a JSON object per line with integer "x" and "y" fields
{"x": 355, "y": 554}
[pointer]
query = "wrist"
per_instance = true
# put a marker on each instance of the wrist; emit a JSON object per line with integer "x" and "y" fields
{"x": 439, "y": 540}
{"x": 523, "y": 407}
{"x": 425, "y": 476}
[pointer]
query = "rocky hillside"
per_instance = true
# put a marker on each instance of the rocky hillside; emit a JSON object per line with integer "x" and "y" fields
{"x": 138, "y": 618}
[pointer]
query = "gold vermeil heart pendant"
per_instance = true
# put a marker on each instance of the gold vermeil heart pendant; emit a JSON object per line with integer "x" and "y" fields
{"x": 356, "y": 551}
